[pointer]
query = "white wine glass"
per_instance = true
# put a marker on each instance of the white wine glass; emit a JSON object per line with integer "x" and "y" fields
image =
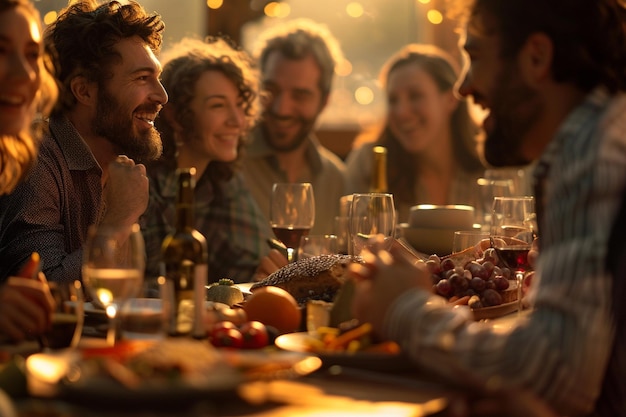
{"x": 371, "y": 214}
{"x": 292, "y": 214}
{"x": 113, "y": 268}
{"x": 513, "y": 229}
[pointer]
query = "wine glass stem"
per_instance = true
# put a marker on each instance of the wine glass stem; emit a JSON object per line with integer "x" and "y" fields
{"x": 291, "y": 255}
{"x": 519, "y": 276}
{"x": 112, "y": 330}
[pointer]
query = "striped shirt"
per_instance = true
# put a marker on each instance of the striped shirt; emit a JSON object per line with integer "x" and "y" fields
{"x": 561, "y": 349}
{"x": 232, "y": 223}
{"x": 51, "y": 211}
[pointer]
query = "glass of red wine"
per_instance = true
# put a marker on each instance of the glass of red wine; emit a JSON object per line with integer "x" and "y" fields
{"x": 292, "y": 214}
{"x": 513, "y": 229}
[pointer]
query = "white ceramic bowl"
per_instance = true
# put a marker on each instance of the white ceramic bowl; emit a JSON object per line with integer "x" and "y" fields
{"x": 427, "y": 240}
{"x": 449, "y": 217}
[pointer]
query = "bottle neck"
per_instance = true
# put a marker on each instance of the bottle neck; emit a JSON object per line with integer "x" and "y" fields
{"x": 185, "y": 201}
{"x": 379, "y": 170}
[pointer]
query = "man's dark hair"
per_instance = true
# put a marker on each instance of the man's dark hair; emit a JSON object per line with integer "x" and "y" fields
{"x": 589, "y": 36}
{"x": 83, "y": 38}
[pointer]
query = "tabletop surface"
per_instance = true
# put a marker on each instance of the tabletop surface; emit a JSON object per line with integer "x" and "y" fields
{"x": 331, "y": 391}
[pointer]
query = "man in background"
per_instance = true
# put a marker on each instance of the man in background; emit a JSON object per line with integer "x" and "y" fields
{"x": 102, "y": 125}
{"x": 297, "y": 62}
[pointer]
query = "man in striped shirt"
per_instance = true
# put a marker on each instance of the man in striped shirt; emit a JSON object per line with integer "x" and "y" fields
{"x": 553, "y": 75}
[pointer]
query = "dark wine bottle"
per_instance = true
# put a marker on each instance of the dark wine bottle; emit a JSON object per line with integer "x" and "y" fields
{"x": 378, "y": 182}
{"x": 184, "y": 266}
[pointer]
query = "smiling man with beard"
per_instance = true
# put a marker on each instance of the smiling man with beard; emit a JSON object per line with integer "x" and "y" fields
{"x": 553, "y": 75}
{"x": 297, "y": 62}
{"x": 89, "y": 169}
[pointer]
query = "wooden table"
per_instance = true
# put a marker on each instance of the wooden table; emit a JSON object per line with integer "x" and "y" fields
{"x": 331, "y": 391}
{"x": 323, "y": 393}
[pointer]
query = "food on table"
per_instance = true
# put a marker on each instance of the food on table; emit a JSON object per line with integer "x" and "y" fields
{"x": 273, "y": 306}
{"x": 474, "y": 276}
{"x": 255, "y": 335}
{"x": 315, "y": 278}
{"x": 175, "y": 359}
{"x": 250, "y": 335}
{"x": 349, "y": 337}
{"x": 224, "y": 291}
{"x": 214, "y": 314}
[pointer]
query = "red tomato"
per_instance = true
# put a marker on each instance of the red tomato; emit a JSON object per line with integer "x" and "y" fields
{"x": 255, "y": 335}
{"x": 223, "y": 324}
{"x": 226, "y": 337}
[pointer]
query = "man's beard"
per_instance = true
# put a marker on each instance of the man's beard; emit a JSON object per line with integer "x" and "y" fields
{"x": 300, "y": 137}
{"x": 515, "y": 110}
{"x": 117, "y": 128}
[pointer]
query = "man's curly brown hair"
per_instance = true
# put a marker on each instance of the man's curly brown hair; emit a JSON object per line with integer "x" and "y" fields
{"x": 82, "y": 40}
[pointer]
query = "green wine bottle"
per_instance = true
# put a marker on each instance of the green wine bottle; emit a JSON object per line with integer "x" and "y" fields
{"x": 184, "y": 266}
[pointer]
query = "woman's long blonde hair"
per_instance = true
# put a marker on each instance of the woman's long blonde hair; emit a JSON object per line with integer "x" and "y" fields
{"x": 18, "y": 153}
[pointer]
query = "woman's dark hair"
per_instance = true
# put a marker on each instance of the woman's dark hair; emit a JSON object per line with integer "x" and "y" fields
{"x": 441, "y": 67}
{"x": 183, "y": 65}
{"x": 589, "y": 36}
{"x": 82, "y": 40}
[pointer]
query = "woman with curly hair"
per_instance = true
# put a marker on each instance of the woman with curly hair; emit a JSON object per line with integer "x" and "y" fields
{"x": 213, "y": 103}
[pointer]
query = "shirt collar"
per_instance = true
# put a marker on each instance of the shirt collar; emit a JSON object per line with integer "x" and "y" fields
{"x": 258, "y": 148}
{"x": 77, "y": 153}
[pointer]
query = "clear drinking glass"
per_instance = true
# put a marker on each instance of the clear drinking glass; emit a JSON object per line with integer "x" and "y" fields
{"x": 113, "y": 268}
{"x": 292, "y": 214}
{"x": 314, "y": 245}
{"x": 371, "y": 214}
{"x": 513, "y": 228}
{"x": 67, "y": 317}
{"x": 464, "y": 239}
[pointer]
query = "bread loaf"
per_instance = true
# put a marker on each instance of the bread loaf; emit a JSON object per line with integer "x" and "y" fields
{"x": 316, "y": 278}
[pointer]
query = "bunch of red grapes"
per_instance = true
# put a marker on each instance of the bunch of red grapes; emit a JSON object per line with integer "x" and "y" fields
{"x": 483, "y": 280}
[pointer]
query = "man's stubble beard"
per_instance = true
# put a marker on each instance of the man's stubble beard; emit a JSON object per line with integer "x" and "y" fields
{"x": 117, "y": 128}
{"x": 515, "y": 110}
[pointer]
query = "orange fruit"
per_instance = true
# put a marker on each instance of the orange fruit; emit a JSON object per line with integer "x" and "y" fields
{"x": 274, "y": 307}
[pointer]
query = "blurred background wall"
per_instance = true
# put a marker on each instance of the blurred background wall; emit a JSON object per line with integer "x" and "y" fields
{"x": 369, "y": 31}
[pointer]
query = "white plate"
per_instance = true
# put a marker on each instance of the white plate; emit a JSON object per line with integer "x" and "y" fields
{"x": 299, "y": 342}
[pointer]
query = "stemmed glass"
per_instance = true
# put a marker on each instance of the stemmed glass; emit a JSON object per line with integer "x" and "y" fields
{"x": 513, "y": 228}
{"x": 113, "y": 268}
{"x": 371, "y": 214}
{"x": 292, "y": 214}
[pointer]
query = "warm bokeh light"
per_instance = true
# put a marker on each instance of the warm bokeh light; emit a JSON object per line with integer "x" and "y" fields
{"x": 424, "y": 1}
{"x": 364, "y": 95}
{"x": 354, "y": 9}
{"x": 284, "y": 10}
{"x": 434, "y": 16}
{"x": 343, "y": 68}
{"x": 214, "y": 4}
{"x": 276, "y": 9}
{"x": 50, "y": 17}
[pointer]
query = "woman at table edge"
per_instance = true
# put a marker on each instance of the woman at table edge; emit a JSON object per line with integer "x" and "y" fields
{"x": 27, "y": 91}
